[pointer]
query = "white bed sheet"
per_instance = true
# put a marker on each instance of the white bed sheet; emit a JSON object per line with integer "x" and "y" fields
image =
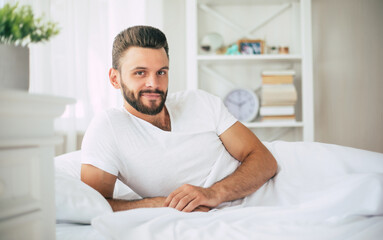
{"x": 321, "y": 191}
{"x": 238, "y": 224}
{"x": 68, "y": 231}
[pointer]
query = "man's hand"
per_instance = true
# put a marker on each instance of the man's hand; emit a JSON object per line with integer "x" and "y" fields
{"x": 202, "y": 209}
{"x": 188, "y": 198}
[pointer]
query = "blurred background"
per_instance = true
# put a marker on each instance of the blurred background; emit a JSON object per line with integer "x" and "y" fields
{"x": 346, "y": 54}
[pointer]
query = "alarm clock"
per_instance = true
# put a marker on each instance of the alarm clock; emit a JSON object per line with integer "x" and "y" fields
{"x": 243, "y": 104}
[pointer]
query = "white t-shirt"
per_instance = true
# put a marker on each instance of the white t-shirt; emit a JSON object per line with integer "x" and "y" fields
{"x": 153, "y": 162}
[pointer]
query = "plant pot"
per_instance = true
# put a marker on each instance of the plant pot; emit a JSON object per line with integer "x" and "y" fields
{"x": 14, "y": 67}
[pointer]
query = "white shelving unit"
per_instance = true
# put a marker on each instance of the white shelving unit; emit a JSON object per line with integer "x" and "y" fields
{"x": 278, "y": 23}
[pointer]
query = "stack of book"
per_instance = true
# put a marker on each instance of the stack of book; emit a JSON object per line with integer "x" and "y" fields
{"x": 278, "y": 96}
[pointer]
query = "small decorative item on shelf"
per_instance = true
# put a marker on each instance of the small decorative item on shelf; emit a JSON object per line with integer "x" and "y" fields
{"x": 272, "y": 50}
{"x": 251, "y": 47}
{"x": 283, "y": 50}
{"x": 222, "y": 50}
{"x": 232, "y": 50}
{"x": 211, "y": 42}
{"x": 18, "y": 28}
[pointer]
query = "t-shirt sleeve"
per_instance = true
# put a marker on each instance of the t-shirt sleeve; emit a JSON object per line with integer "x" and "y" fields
{"x": 99, "y": 147}
{"x": 222, "y": 118}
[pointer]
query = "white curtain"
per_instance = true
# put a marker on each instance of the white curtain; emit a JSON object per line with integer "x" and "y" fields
{"x": 75, "y": 63}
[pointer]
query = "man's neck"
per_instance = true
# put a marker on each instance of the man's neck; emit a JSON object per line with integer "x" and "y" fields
{"x": 160, "y": 120}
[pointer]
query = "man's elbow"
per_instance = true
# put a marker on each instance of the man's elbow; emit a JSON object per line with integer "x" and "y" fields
{"x": 272, "y": 166}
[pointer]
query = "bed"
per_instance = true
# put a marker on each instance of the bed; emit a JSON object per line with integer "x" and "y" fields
{"x": 321, "y": 191}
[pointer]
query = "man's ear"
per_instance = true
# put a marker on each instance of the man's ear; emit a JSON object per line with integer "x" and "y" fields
{"x": 114, "y": 77}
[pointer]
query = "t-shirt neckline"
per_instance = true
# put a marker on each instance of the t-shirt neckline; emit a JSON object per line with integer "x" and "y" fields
{"x": 151, "y": 125}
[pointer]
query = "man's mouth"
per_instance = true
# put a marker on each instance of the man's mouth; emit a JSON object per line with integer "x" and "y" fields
{"x": 151, "y": 95}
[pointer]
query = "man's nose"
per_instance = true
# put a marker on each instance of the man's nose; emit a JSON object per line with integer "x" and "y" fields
{"x": 152, "y": 81}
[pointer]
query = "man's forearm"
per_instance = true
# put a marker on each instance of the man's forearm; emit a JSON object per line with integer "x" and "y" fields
{"x": 254, "y": 171}
{"x": 258, "y": 165}
{"x": 121, "y": 205}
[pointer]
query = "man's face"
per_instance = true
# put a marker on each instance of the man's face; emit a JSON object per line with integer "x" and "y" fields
{"x": 144, "y": 79}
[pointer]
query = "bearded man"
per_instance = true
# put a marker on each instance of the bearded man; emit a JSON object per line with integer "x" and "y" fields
{"x": 166, "y": 147}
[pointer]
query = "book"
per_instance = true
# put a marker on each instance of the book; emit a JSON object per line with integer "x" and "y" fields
{"x": 284, "y": 118}
{"x": 278, "y": 94}
{"x": 276, "y": 110}
{"x": 289, "y": 72}
{"x": 283, "y": 79}
{"x": 267, "y": 103}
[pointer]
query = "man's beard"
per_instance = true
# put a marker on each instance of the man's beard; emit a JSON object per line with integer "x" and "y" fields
{"x": 137, "y": 104}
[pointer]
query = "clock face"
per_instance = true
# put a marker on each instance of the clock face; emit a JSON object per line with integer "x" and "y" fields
{"x": 243, "y": 104}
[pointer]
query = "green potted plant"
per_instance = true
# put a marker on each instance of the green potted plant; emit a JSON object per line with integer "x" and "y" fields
{"x": 19, "y": 27}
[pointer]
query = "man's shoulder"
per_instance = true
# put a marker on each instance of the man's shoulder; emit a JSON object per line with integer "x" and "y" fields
{"x": 193, "y": 103}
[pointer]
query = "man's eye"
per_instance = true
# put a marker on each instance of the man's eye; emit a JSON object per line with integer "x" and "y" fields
{"x": 161, "y": 72}
{"x": 139, "y": 73}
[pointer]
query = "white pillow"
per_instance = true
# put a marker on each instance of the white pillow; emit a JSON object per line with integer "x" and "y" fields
{"x": 69, "y": 163}
{"x": 76, "y": 201}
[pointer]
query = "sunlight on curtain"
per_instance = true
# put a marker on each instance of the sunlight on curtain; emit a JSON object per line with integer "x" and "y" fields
{"x": 76, "y": 62}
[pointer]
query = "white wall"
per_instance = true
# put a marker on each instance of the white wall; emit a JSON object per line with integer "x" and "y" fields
{"x": 348, "y": 72}
{"x": 174, "y": 26}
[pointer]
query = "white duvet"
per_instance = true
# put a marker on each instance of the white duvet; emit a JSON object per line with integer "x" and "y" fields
{"x": 321, "y": 191}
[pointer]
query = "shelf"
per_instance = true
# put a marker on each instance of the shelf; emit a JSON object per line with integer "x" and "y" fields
{"x": 284, "y": 23}
{"x": 261, "y": 57}
{"x": 273, "y": 124}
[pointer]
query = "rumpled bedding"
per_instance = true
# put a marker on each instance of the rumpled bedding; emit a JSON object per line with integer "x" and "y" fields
{"x": 321, "y": 191}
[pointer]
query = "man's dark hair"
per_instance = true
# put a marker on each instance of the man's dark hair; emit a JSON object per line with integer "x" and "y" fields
{"x": 137, "y": 36}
